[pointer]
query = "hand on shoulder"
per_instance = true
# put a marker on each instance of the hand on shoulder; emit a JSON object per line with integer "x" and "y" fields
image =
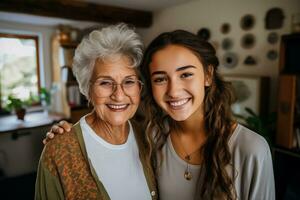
{"x": 59, "y": 128}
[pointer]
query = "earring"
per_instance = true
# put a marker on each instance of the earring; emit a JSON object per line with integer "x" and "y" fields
{"x": 207, "y": 83}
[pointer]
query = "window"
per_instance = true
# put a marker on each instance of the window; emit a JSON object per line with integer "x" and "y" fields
{"x": 19, "y": 67}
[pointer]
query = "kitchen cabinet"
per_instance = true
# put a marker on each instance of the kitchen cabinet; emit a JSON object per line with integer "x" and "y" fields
{"x": 21, "y": 142}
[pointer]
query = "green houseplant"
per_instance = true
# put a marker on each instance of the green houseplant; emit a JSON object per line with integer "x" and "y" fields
{"x": 17, "y": 105}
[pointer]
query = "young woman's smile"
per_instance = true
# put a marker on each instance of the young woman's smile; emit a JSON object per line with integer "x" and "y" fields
{"x": 178, "y": 82}
{"x": 178, "y": 104}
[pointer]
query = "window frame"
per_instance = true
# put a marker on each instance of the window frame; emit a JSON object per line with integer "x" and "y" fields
{"x": 36, "y": 40}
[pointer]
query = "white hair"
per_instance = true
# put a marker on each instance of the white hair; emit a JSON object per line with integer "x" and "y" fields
{"x": 105, "y": 43}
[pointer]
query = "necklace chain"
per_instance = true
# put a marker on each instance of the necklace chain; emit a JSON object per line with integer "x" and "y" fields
{"x": 187, "y": 158}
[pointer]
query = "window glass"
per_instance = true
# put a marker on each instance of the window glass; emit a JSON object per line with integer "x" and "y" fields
{"x": 19, "y": 70}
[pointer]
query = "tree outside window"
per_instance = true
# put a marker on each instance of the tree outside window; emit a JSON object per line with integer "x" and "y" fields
{"x": 19, "y": 67}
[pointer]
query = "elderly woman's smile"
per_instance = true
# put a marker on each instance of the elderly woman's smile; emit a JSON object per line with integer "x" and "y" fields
{"x": 117, "y": 108}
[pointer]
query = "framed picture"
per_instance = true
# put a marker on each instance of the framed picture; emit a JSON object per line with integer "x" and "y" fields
{"x": 251, "y": 92}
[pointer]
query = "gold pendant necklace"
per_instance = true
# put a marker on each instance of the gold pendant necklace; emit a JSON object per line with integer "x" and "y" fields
{"x": 187, "y": 158}
{"x": 187, "y": 173}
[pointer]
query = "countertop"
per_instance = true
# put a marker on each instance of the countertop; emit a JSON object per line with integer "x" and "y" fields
{"x": 32, "y": 120}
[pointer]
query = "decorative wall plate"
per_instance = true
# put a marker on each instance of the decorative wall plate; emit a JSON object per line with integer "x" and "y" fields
{"x": 225, "y": 28}
{"x": 250, "y": 60}
{"x": 227, "y": 44}
{"x": 230, "y": 60}
{"x": 272, "y": 55}
{"x": 247, "y": 22}
{"x": 274, "y": 18}
{"x": 204, "y": 34}
{"x": 248, "y": 41}
{"x": 273, "y": 38}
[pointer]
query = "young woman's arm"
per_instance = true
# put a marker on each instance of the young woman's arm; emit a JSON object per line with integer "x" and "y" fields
{"x": 262, "y": 185}
{"x": 253, "y": 169}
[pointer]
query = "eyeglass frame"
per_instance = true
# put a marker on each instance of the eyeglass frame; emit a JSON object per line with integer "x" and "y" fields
{"x": 115, "y": 84}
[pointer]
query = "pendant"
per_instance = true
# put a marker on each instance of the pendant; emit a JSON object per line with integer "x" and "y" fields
{"x": 187, "y": 157}
{"x": 187, "y": 175}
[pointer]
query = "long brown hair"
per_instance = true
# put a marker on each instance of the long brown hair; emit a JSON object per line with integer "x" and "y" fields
{"x": 217, "y": 114}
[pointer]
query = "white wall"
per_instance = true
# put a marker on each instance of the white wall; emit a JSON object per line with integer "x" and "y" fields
{"x": 212, "y": 14}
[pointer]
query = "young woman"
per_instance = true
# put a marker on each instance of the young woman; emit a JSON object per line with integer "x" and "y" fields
{"x": 197, "y": 149}
{"x": 202, "y": 152}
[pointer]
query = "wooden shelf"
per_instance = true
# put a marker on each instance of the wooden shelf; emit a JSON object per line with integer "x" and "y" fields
{"x": 69, "y": 45}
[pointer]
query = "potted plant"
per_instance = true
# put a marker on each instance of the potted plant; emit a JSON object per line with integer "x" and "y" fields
{"x": 17, "y": 105}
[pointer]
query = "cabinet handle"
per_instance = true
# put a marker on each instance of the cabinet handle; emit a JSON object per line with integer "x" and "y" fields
{"x": 16, "y": 135}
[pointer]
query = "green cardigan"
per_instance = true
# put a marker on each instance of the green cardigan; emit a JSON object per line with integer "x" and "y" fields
{"x": 65, "y": 172}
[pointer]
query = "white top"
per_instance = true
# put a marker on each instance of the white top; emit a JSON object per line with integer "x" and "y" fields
{"x": 117, "y": 166}
{"x": 252, "y": 164}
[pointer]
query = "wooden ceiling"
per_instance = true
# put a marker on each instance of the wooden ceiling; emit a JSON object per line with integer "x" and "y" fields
{"x": 76, "y": 10}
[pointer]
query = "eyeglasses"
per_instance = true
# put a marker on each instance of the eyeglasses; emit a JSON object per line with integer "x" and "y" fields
{"x": 105, "y": 87}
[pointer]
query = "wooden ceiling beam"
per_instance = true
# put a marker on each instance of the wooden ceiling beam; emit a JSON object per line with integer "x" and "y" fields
{"x": 78, "y": 10}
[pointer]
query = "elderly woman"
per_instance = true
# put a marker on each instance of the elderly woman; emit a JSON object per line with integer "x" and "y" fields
{"x": 103, "y": 157}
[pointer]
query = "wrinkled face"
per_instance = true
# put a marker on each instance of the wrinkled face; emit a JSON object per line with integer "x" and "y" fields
{"x": 178, "y": 82}
{"x": 110, "y": 79}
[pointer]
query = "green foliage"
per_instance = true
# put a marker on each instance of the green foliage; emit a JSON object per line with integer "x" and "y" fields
{"x": 14, "y": 103}
{"x": 263, "y": 125}
{"x": 45, "y": 96}
{"x": 33, "y": 99}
